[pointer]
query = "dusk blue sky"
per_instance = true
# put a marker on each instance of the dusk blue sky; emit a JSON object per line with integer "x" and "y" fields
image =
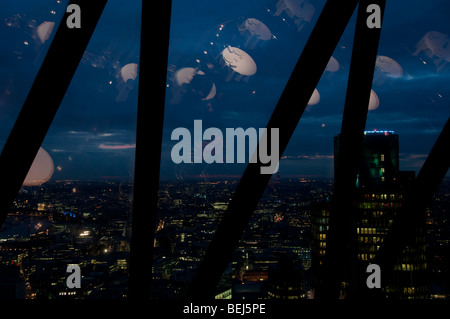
{"x": 93, "y": 134}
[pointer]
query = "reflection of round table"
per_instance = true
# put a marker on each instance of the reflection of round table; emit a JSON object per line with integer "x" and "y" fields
{"x": 374, "y": 101}
{"x": 256, "y": 28}
{"x": 315, "y": 98}
{"x": 438, "y": 43}
{"x": 301, "y": 11}
{"x": 41, "y": 170}
{"x": 129, "y": 72}
{"x": 389, "y": 67}
{"x": 185, "y": 75}
{"x": 333, "y": 65}
{"x": 44, "y": 30}
{"x": 204, "y": 88}
{"x": 239, "y": 61}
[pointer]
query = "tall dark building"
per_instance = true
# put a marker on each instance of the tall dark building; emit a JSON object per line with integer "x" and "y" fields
{"x": 381, "y": 189}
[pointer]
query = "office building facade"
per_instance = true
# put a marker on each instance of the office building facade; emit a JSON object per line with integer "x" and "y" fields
{"x": 381, "y": 190}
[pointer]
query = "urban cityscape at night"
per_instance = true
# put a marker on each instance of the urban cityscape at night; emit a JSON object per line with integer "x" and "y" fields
{"x": 88, "y": 223}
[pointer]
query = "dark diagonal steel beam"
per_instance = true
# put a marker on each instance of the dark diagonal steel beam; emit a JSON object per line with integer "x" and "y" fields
{"x": 155, "y": 33}
{"x": 43, "y": 100}
{"x": 288, "y": 111}
{"x": 340, "y": 260}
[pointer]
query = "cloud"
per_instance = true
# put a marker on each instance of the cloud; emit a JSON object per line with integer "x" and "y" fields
{"x": 104, "y": 146}
{"x": 413, "y": 156}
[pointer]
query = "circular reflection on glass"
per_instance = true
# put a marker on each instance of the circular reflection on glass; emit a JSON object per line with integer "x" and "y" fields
{"x": 129, "y": 72}
{"x": 256, "y": 28}
{"x": 388, "y": 67}
{"x": 44, "y": 30}
{"x": 41, "y": 170}
{"x": 239, "y": 61}
{"x": 435, "y": 45}
{"x": 315, "y": 98}
{"x": 211, "y": 93}
{"x": 195, "y": 81}
{"x": 374, "y": 101}
{"x": 300, "y": 11}
{"x": 254, "y": 31}
{"x": 126, "y": 76}
{"x": 333, "y": 65}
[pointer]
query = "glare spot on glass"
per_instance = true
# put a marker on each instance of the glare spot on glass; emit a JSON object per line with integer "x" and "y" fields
{"x": 41, "y": 170}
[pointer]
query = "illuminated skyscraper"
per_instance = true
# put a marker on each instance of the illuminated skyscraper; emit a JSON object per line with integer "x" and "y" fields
{"x": 381, "y": 190}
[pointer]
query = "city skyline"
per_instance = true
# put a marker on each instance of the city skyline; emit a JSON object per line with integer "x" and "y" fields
{"x": 88, "y": 223}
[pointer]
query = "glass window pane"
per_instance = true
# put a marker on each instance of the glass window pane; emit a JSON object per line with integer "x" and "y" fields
{"x": 26, "y": 31}
{"x": 75, "y": 205}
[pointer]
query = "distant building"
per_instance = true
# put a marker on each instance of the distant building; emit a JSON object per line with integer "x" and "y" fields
{"x": 320, "y": 213}
{"x": 12, "y": 285}
{"x": 286, "y": 281}
{"x": 381, "y": 189}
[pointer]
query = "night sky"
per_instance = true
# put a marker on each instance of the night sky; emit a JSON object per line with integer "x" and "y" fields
{"x": 93, "y": 134}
